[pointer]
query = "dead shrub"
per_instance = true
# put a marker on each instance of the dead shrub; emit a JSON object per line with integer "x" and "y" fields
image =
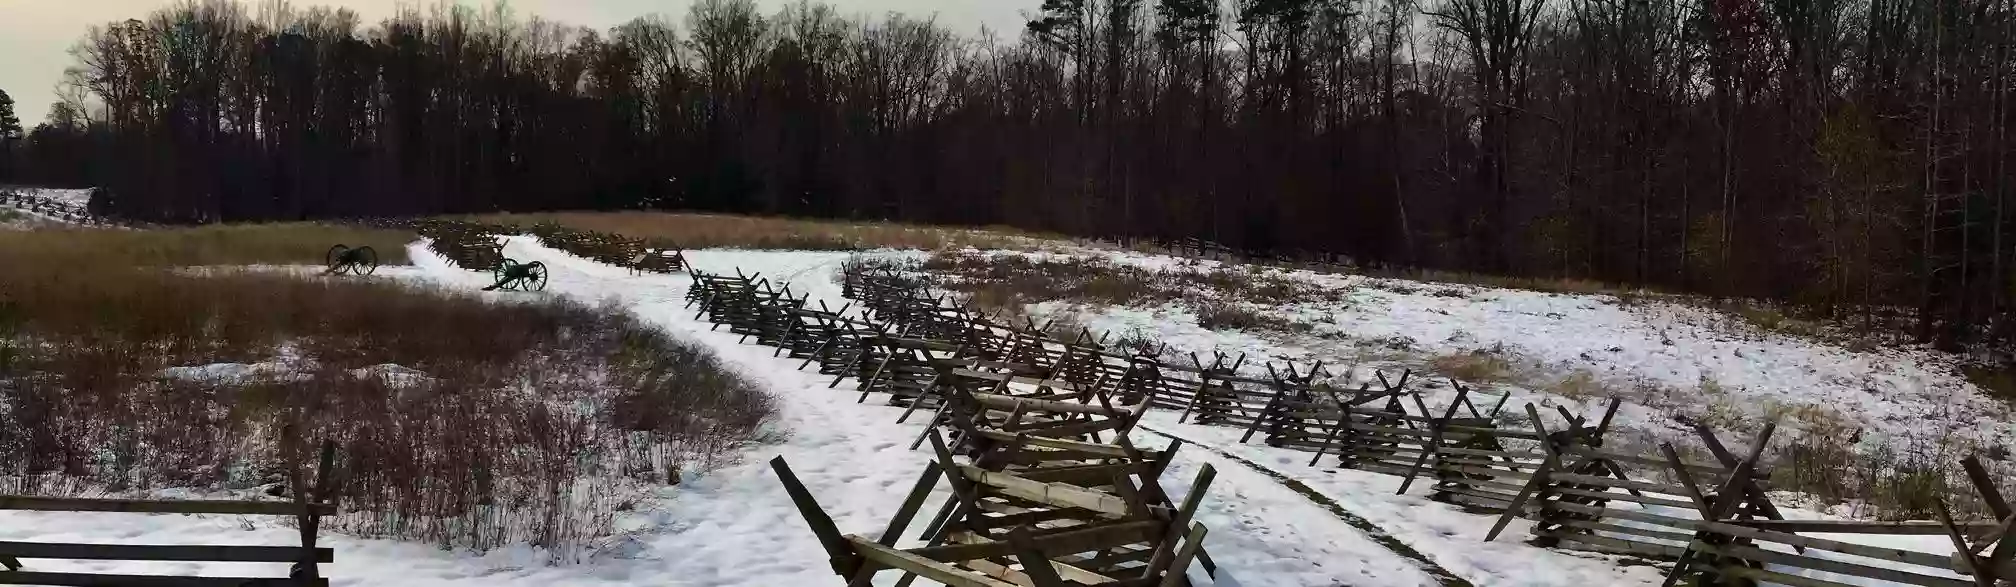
{"x": 1479, "y": 366}
{"x": 1223, "y": 316}
{"x": 1772, "y": 319}
{"x": 1580, "y": 386}
{"x": 1007, "y": 283}
{"x": 1014, "y": 280}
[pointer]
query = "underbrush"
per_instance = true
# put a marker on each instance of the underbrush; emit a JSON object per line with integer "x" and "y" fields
{"x": 701, "y": 231}
{"x": 1008, "y": 283}
{"x": 459, "y": 421}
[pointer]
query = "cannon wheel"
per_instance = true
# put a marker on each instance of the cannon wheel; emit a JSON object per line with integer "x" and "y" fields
{"x": 503, "y": 272}
{"x": 335, "y": 259}
{"x": 535, "y": 277}
{"x": 367, "y": 261}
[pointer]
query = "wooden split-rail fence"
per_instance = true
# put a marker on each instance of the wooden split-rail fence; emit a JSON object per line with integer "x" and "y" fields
{"x": 1028, "y": 431}
{"x": 638, "y": 255}
{"x": 1549, "y": 466}
{"x": 310, "y": 505}
{"x": 65, "y": 211}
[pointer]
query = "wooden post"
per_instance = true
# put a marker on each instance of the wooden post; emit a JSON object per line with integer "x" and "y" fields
{"x": 1034, "y": 564}
{"x": 308, "y": 519}
{"x": 1180, "y": 520}
{"x": 839, "y": 552}
{"x": 1533, "y": 483}
{"x": 1433, "y": 450}
{"x": 1726, "y": 498}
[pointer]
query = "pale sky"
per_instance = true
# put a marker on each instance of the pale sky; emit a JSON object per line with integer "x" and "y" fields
{"x": 35, "y": 35}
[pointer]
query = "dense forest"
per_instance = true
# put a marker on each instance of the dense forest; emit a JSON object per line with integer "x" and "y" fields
{"x": 1846, "y": 155}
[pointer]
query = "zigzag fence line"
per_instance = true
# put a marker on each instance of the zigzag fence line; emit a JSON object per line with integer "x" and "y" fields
{"x": 1050, "y": 491}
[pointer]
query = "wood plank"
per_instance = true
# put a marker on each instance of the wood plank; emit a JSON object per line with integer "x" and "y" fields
{"x": 1500, "y": 500}
{"x": 1510, "y": 488}
{"x": 1008, "y": 402}
{"x": 1778, "y": 578}
{"x": 1674, "y": 537}
{"x": 1493, "y": 473}
{"x": 1005, "y": 573}
{"x": 1671, "y": 503}
{"x": 157, "y": 506}
{"x": 922, "y": 567}
{"x": 94, "y": 580}
{"x": 1691, "y": 525}
{"x": 1911, "y": 528}
{"x": 1049, "y": 493}
{"x": 1619, "y": 483}
{"x": 1038, "y": 568}
{"x": 1832, "y": 566}
{"x": 1084, "y": 475}
{"x": 1608, "y": 544}
{"x": 1192, "y": 547}
{"x": 241, "y": 554}
{"x": 1110, "y": 450}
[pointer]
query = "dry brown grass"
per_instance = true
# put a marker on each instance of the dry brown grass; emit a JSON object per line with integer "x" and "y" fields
{"x": 251, "y": 244}
{"x": 1222, "y": 316}
{"x": 1484, "y": 367}
{"x": 533, "y": 423}
{"x": 701, "y": 231}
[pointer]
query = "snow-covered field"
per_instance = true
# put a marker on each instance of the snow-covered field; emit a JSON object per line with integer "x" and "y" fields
{"x": 1670, "y": 362}
{"x": 735, "y": 525}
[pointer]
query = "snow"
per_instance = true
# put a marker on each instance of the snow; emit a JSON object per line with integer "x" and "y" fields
{"x": 233, "y": 373}
{"x": 735, "y": 526}
{"x": 81, "y": 197}
{"x": 1665, "y": 359}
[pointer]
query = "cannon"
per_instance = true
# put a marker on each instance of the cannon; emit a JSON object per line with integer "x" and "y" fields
{"x": 358, "y": 261}
{"x": 514, "y": 276}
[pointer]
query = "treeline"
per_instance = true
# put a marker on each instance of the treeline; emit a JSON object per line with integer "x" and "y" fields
{"x": 1842, "y": 154}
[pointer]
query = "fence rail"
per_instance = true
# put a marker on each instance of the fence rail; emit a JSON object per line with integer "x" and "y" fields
{"x": 309, "y": 506}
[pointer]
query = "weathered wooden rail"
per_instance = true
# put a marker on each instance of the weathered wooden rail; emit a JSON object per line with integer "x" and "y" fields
{"x": 310, "y": 505}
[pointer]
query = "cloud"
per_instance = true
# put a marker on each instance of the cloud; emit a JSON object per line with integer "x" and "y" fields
{"x": 36, "y": 35}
